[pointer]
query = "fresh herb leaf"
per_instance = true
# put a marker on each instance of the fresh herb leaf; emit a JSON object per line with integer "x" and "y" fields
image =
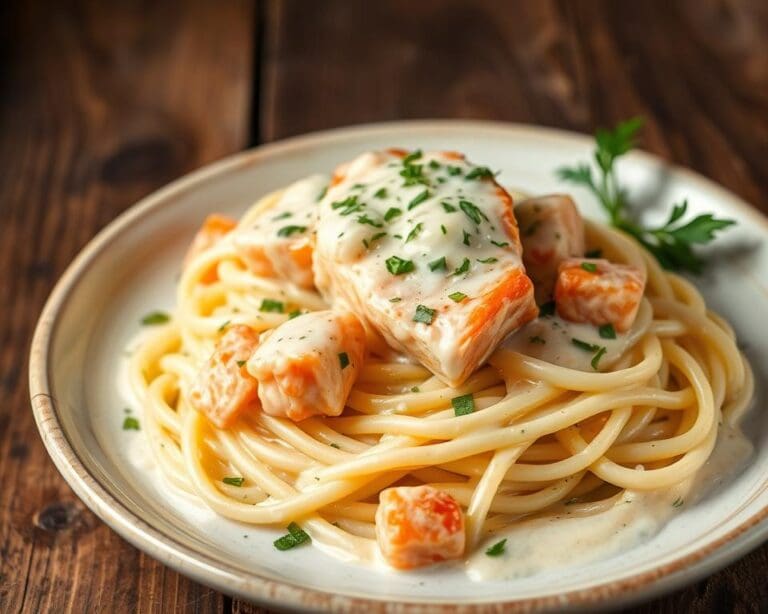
{"x": 364, "y": 219}
{"x": 130, "y": 424}
{"x": 453, "y": 170}
{"x": 335, "y": 445}
{"x": 678, "y": 502}
{"x": 479, "y": 172}
{"x": 671, "y": 244}
{"x": 497, "y": 549}
{"x": 322, "y": 194}
{"x": 343, "y": 360}
{"x": 490, "y": 260}
{"x": 296, "y": 536}
{"x": 463, "y": 267}
{"x": 438, "y": 265}
{"x": 500, "y": 244}
{"x": 414, "y": 232}
{"x": 287, "y": 231}
{"x": 240, "y": 363}
{"x": 415, "y": 389}
{"x": 380, "y": 193}
{"x": 282, "y": 216}
{"x": 467, "y": 236}
{"x": 583, "y": 345}
{"x": 414, "y": 155}
{"x": 443, "y": 229}
{"x": 419, "y": 199}
{"x": 463, "y": 405}
{"x": 156, "y": 317}
{"x": 472, "y": 211}
{"x": 273, "y": 306}
{"x": 348, "y": 206}
{"x": 607, "y": 331}
{"x": 594, "y": 253}
{"x": 434, "y": 164}
{"x": 457, "y": 297}
{"x": 294, "y": 314}
{"x": 392, "y": 213}
{"x": 413, "y": 175}
{"x": 596, "y": 358}
{"x": 232, "y": 481}
{"x": 398, "y": 266}
{"x": 590, "y": 267}
{"x": 423, "y": 314}
{"x": 449, "y": 208}
{"x": 223, "y": 326}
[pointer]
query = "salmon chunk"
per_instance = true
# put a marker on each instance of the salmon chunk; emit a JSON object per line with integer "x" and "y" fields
{"x": 424, "y": 247}
{"x": 307, "y": 365}
{"x": 223, "y": 387}
{"x": 551, "y": 230}
{"x": 211, "y": 232}
{"x": 279, "y": 241}
{"x": 418, "y": 526}
{"x": 599, "y": 292}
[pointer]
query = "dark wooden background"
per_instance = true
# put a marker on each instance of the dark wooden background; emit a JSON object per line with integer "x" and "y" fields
{"x": 102, "y": 103}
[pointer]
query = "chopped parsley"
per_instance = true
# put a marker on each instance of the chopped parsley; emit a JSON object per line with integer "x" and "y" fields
{"x": 130, "y": 424}
{"x": 500, "y": 244}
{"x": 395, "y": 299}
{"x": 414, "y": 232}
{"x": 233, "y": 481}
{"x": 240, "y": 363}
{"x": 398, "y": 266}
{"x": 322, "y": 194}
{"x": 413, "y": 175}
{"x": 419, "y": 199}
{"x": 547, "y": 309}
{"x": 287, "y": 231}
{"x": 537, "y": 339}
{"x": 590, "y": 267}
{"x": 453, "y": 170}
{"x": 583, "y": 345}
{"x": 380, "y": 193}
{"x": 343, "y": 360}
{"x": 434, "y": 164}
{"x": 334, "y": 445}
{"x": 466, "y": 237}
{"x": 607, "y": 331}
{"x": 156, "y": 317}
{"x": 472, "y": 211}
{"x": 273, "y": 306}
{"x": 497, "y": 549}
{"x": 438, "y": 265}
{"x": 449, "y": 208}
{"x": 479, "y": 172}
{"x": 678, "y": 502}
{"x": 415, "y": 389}
{"x": 364, "y": 219}
{"x": 348, "y": 206}
{"x": 457, "y": 297}
{"x": 463, "y": 405}
{"x": 594, "y": 253}
{"x": 392, "y": 213}
{"x": 414, "y": 155}
{"x": 463, "y": 267}
{"x": 490, "y": 260}
{"x": 294, "y": 314}
{"x": 223, "y": 326}
{"x": 443, "y": 230}
{"x": 282, "y": 216}
{"x": 596, "y": 358}
{"x": 295, "y": 537}
{"x": 423, "y": 314}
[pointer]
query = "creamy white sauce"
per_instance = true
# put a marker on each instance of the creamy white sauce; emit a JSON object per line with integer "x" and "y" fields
{"x": 563, "y": 538}
{"x": 550, "y": 338}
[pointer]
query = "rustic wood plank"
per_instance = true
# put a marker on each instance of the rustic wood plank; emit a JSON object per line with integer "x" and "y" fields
{"x": 696, "y": 70}
{"x": 102, "y": 103}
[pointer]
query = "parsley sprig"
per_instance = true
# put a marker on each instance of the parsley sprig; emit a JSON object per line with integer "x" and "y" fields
{"x": 671, "y": 244}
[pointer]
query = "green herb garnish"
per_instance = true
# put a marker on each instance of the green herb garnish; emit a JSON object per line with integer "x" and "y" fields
{"x": 457, "y": 297}
{"x": 423, "y": 314}
{"x": 594, "y": 253}
{"x": 223, "y": 326}
{"x": 273, "y": 306}
{"x": 590, "y": 267}
{"x": 296, "y": 536}
{"x": 596, "y": 358}
{"x": 467, "y": 236}
{"x": 392, "y": 213}
{"x": 449, "y": 208}
{"x": 438, "y": 265}
{"x": 130, "y": 424}
{"x": 453, "y": 170}
{"x": 343, "y": 360}
{"x": 671, "y": 244}
{"x": 414, "y": 232}
{"x": 398, "y": 266}
{"x": 233, "y": 481}
{"x": 607, "y": 331}
{"x": 583, "y": 345}
{"x": 472, "y": 211}
{"x": 479, "y": 172}
{"x": 502, "y": 244}
{"x": 240, "y": 363}
{"x": 156, "y": 317}
{"x": 282, "y": 216}
{"x": 414, "y": 155}
{"x": 490, "y": 260}
{"x": 463, "y": 268}
{"x": 497, "y": 548}
{"x": 364, "y": 219}
{"x": 537, "y": 339}
{"x": 380, "y": 193}
{"x": 463, "y": 405}
{"x": 287, "y": 231}
{"x": 294, "y": 314}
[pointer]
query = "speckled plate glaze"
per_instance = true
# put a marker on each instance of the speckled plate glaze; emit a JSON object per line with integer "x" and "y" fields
{"x": 78, "y": 397}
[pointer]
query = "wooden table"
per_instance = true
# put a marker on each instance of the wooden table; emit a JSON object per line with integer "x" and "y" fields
{"x": 102, "y": 104}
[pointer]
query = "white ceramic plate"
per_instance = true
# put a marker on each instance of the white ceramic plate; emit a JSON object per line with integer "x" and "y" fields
{"x": 131, "y": 267}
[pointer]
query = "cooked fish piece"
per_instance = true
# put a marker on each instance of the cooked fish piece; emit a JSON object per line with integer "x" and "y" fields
{"x": 595, "y": 291}
{"x": 551, "y": 230}
{"x": 277, "y": 241}
{"x": 418, "y": 526}
{"x": 307, "y": 365}
{"x": 223, "y": 388}
{"x": 214, "y": 228}
{"x": 425, "y": 248}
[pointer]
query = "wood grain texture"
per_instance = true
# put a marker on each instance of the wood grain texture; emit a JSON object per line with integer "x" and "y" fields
{"x": 102, "y": 103}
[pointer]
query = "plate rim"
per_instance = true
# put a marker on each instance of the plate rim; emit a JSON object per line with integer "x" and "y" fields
{"x": 249, "y": 585}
